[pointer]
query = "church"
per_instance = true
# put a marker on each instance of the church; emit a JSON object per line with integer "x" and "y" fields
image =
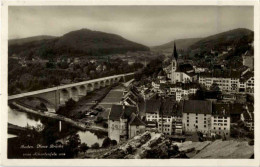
{"x": 180, "y": 73}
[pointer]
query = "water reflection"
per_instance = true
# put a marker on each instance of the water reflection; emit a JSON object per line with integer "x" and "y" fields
{"x": 23, "y": 119}
{"x": 90, "y": 138}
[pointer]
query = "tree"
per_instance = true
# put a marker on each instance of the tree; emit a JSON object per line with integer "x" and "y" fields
{"x": 113, "y": 142}
{"x": 95, "y": 146}
{"x": 106, "y": 142}
{"x": 84, "y": 147}
{"x": 214, "y": 87}
{"x": 73, "y": 144}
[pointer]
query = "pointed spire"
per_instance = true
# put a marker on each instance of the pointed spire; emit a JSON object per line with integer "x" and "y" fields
{"x": 175, "y": 54}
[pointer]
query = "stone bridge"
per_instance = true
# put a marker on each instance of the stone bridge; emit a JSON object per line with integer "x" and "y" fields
{"x": 57, "y": 96}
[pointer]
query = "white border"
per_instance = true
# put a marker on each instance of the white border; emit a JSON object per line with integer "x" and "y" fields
{"x": 103, "y": 162}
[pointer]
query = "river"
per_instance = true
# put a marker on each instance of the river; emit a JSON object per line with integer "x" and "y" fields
{"x": 23, "y": 119}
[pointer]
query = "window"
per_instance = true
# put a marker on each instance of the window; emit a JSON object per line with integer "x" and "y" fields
{"x": 224, "y": 128}
{"x": 196, "y": 114}
{"x": 205, "y": 115}
{"x": 214, "y": 127}
{"x": 205, "y": 126}
{"x": 196, "y": 117}
{"x": 219, "y": 128}
{"x": 205, "y": 122}
{"x": 188, "y": 125}
{"x": 204, "y": 118}
{"x": 187, "y": 120}
{"x": 196, "y": 121}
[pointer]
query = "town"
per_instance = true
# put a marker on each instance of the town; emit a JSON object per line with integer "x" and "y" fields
{"x": 165, "y": 83}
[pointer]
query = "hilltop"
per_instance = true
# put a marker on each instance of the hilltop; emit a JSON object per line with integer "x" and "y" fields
{"x": 222, "y": 40}
{"x": 81, "y": 42}
{"x": 218, "y": 41}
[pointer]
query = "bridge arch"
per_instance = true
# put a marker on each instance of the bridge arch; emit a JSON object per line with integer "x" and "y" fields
{"x": 74, "y": 94}
{"x": 64, "y": 96}
{"x": 117, "y": 79}
{"x": 82, "y": 90}
{"x": 102, "y": 83}
{"x": 107, "y": 82}
{"x": 90, "y": 87}
{"x": 96, "y": 85}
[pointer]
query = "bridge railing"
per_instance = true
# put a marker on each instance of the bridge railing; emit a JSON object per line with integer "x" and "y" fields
{"x": 64, "y": 86}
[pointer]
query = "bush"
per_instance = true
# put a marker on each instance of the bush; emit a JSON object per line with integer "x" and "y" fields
{"x": 84, "y": 147}
{"x": 113, "y": 142}
{"x": 105, "y": 125}
{"x": 251, "y": 142}
{"x": 250, "y": 135}
{"x": 95, "y": 146}
{"x": 99, "y": 119}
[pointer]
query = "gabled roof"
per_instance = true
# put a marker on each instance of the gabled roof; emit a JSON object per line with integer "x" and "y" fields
{"x": 136, "y": 121}
{"x": 221, "y": 109}
{"x": 150, "y": 106}
{"x": 237, "y": 108}
{"x": 118, "y": 112}
{"x": 169, "y": 107}
{"x": 197, "y": 106}
{"x": 247, "y": 76}
{"x": 184, "y": 68}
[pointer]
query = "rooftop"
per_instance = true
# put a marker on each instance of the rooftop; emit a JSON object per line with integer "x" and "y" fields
{"x": 197, "y": 106}
{"x": 221, "y": 109}
{"x": 120, "y": 111}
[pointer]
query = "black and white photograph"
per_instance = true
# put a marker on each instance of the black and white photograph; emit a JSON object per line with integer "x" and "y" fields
{"x": 130, "y": 82}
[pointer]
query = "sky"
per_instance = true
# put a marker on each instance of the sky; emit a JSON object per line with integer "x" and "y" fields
{"x": 148, "y": 25}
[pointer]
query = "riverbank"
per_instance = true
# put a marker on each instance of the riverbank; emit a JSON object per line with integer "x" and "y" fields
{"x": 80, "y": 125}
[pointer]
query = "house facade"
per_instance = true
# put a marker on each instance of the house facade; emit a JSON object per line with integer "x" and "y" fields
{"x": 123, "y": 123}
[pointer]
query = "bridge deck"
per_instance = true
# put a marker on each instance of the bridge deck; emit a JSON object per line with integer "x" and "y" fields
{"x": 63, "y": 86}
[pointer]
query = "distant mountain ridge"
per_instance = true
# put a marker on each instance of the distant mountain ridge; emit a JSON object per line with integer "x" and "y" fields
{"x": 22, "y": 41}
{"x": 216, "y": 41}
{"x": 223, "y": 39}
{"x": 183, "y": 44}
{"x": 79, "y": 42}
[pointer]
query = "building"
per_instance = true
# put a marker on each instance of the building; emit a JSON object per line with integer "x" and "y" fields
{"x": 165, "y": 115}
{"x": 124, "y": 123}
{"x": 248, "y": 59}
{"x": 135, "y": 126}
{"x": 181, "y": 91}
{"x": 197, "y": 116}
{"x": 248, "y": 117}
{"x": 232, "y": 81}
{"x": 206, "y": 117}
{"x": 176, "y": 72}
{"x": 220, "y": 119}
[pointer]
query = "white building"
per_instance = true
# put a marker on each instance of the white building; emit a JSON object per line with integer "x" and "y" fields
{"x": 176, "y": 72}
{"x": 168, "y": 120}
{"x": 231, "y": 82}
{"x": 220, "y": 119}
{"x": 207, "y": 118}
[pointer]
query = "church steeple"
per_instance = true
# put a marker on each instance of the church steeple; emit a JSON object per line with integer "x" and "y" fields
{"x": 175, "y": 54}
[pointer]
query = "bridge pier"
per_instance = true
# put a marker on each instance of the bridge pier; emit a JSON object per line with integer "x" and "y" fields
{"x": 61, "y": 94}
{"x": 82, "y": 90}
{"x": 74, "y": 94}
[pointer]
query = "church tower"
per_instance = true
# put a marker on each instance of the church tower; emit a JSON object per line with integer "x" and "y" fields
{"x": 174, "y": 63}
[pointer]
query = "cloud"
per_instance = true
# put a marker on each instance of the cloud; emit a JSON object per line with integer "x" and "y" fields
{"x": 149, "y": 25}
